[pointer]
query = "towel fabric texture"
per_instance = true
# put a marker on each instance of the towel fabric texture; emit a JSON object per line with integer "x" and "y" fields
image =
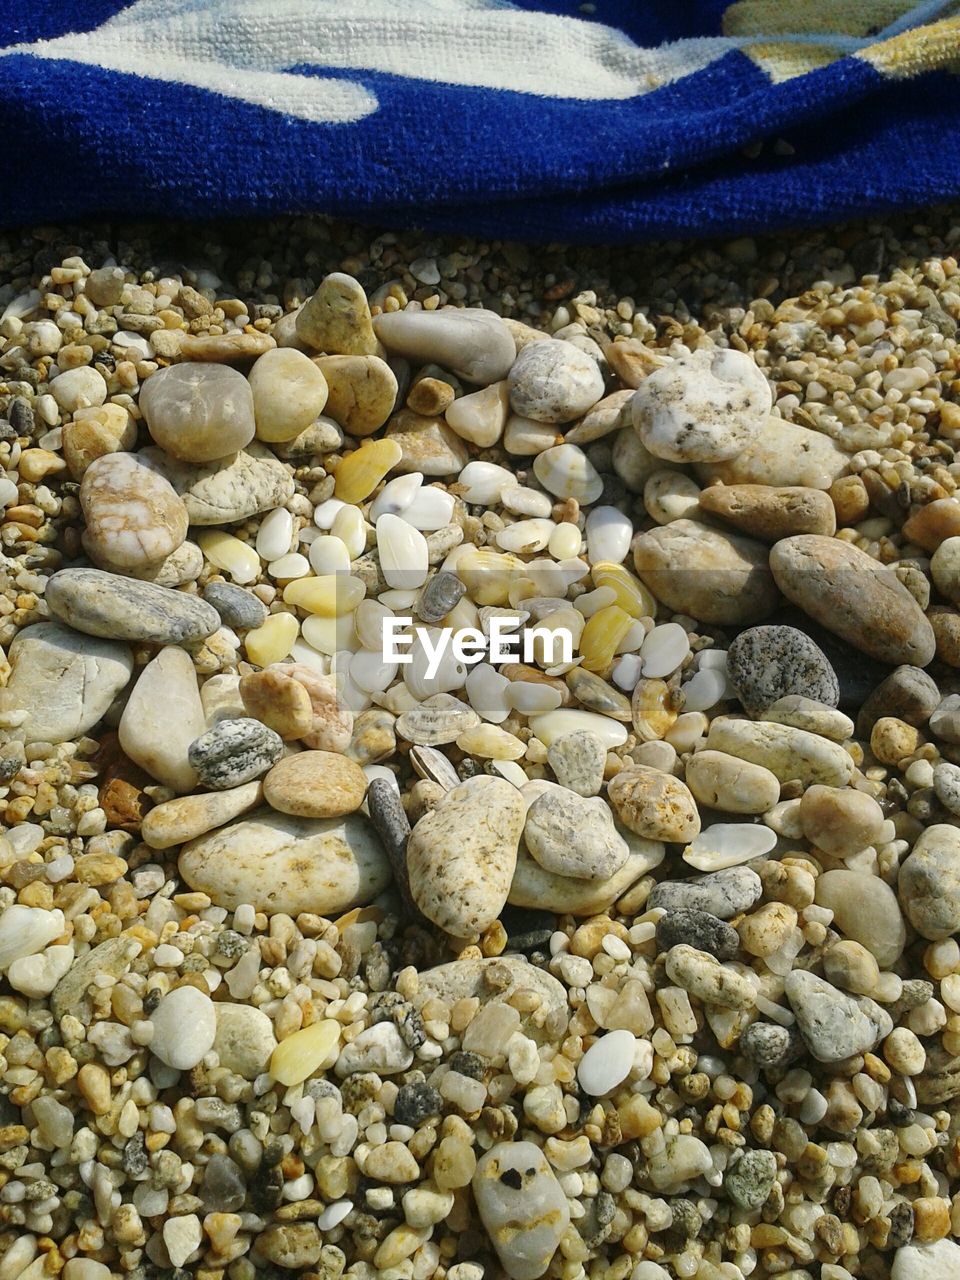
{"x": 534, "y": 119}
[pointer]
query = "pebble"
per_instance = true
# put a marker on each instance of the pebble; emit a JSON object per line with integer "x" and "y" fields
{"x": 728, "y": 844}
{"x": 472, "y": 344}
{"x": 315, "y": 784}
{"x": 787, "y": 752}
{"x": 704, "y": 407}
{"x": 522, "y": 1207}
{"x": 567, "y": 472}
{"x": 816, "y": 717}
{"x": 186, "y": 817}
{"x": 654, "y": 805}
{"x": 93, "y": 432}
{"x": 834, "y": 1026}
{"x": 865, "y": 909}
{"x": 946, "y": 784}
{"x": 907, "y": 693}
{"x": 840, "y": 821}
{"x": 294, "y": 1246}
{"x": 78, "y": 388}
{"x": 134, "y": 519}
{"x": 535, "y": 887}
{"x": 281, "y": 863}
{"x": 573, "y": 836}
{"x": 937, "y": 1261}
{"x": 706, "y": 978}
{"x": 609, "y": 534}
{"x": 770, "y": 512}
{"x": 713, "y": 576}
{"x": 428, "y": 446}
{"x": 699, "y": 929}
{"x": 234, "y": 752}
{"x": 481, "y": 416}
{"x": 24, "y": 931}
{"x": 198, "y": 412}
{"x": 229, "y": 490}
{"x": 750, "y": 1180}
{"x": 379, "y": 1048}
{"x": 289, "y": 392}
{"x": 855, "y": 597}
{"x": 244, "y": 1039}
{"x": 768, "y": 663}
{"x": 336, "y": 318}
{"x": 578, "y": 761}
{"x": 682, "y": 1159}
{"x": 182, "y": 1236}
{"x": 781, "y": 453}
{"x": 63, "y": 682}
{"x": 238, "y": 609}
{"x": 461, "y": 856}
{"x": 361, "y": 391}
{"x": 607, "y": 1063}
{"x": 554, "y": 382}
{"x": 723, "y": 782}
{"x": 116, "y": 608}
{"x": 724, "y": 894}
{"x": 162, "y": 717}
{"x": 277, "y": 700}
{"x": 441, "y": 594}
{"x": 929, "y": 883}
{"x": 302, "y": 1054}
{"x": 184, "y": 1028}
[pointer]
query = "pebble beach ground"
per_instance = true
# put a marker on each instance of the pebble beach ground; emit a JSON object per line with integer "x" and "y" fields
{"x": 637, "y": 965}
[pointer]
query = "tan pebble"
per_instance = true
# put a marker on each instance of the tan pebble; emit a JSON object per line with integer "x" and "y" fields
{"x": 99, "y": 868}
{"x": 892, "y": 740}
{"x": 850, "y": 966}
{"x": 391, "y": 1163}
{"x": 93, "y": 1082}
{"x": 769, "y": 512}
{"x": 839, "y": 819}
{"x": 933, "y": 523}
{"x": 946, "y": 628}
{"x": 336, "y": 319}
{"x": 767, "y": 928}
{"x": 654, "y": 804}
{"x": 226, "y": 347}
{"x": 653, "y": 708}
{"x": 362, "y": 391}
{"x": 428, "y": 445}
{"x": 332, "y": 725}
{"x": 289, "y": 392}
{"x": 430, "y": 396}
{"x": 315, "y": 784}
{"x": 134, "y": 517}
{"x": 931, "y": 1218}
{"x": 277, "y": 700}
{"x": 95, "y": 431}
{"x": 36, "y": 464}
{"x": 733, "y": 786}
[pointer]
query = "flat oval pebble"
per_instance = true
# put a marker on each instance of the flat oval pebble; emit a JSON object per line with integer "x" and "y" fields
{"x": 554, "y": 382}
{"x": 855, "y": 597}
{"x": 162, "y": 716}
{"x": 728, "y": 844}
{"x": 134, "y": 518}
{"x": 771, "y": 512}
{"x": 315, "y": 784}
{"x": 723, "y": 782}
{"x": 607, "y": 1063}
{"x": 864, "y": 908}
{"x": 105, "y": 604}
{"x": 703, "y": 407}
{"x": 277, "y": 862}
{"x": 535, "y": 887}
{"x": 198, "y": 412}
{"x": 186, "y": 817}
{"x": 710, "y": 575}
{"x": 473, "y": 344}
{"x": 184, "y": 1027}
{"x": 234, "y": 752}
{"x": 724, "y": 894}
{"x": 289, "y": 392}
{"x": 766, "y": 663}
{"x": 785, "y": 751}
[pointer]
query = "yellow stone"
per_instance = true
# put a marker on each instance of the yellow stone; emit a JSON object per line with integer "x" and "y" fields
{"x": 273, "y": 641}
{"x": 488, "y": 575}
{"x": 305, "y": 1052}
{"x": 331, "y": 595}
{"x": 632, "y": 595}
{"x": 230, "y": 554}
{"x": 601, "y": 636}
{"x": 331, "y": 635}
{"x": 490, "y": 742}
{"x": 361, "y": 471}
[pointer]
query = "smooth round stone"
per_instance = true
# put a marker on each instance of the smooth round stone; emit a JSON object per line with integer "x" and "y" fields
{"x": 781, "y": 453}
{"x": 768, "y": 1044}
{"x": 234, "y": 752}
{"x": 134, "y": 518}
{"x": 704, "y": 407}
{"x": 573, "y": 836}
{"x": 834, "y": 1025}
{"x": 865, "y": 909}
{"x": 522, "y": 1207}
{"x": 567, "y": 472}
{"x": 336, "y": 319}
{"x": 63, "y": 681}
{"x": 428, "y": 445}
{"x": 946, "y": 784}
{"x": 554, "y": 724}
{"x": 361, "y": 391}
{"x": 578, "y": 761}
{"x": 724, "y": 894}
{"x": 937, "y": 1261}
{"x": 728, "y": 844}
{"x": 277, "y": 700}
{"x": 186, "y": 817}
{"x": 403, "y": 552}
{"x": 767, "y": 663}
{"x": 184, "y": 1028}
{"x": 275, "y": 535}
{"x": 198, "y": 412}
{"x": 554, "y": 381}
{"x": 162, "y": 717}
{"x": 771, "y": 512}
{"x": 78, "y": 389}
{"x": 654, "y": 805}
{"x": 607, "y": 1063}
{"x": 481, "y": 416}
{"x": 483, "y": 482}
{"x": 118, "y": 608}
{"x": 244, "y": 1039}
{"x": 461, "y": 856}
{"x": 94, "y": 432}
{"x": 315, "y": 784}
{"x": 473, "y": 344}
{"x": 431, "y": 509}
{"x": 945, "y": 569}
{"x": 720, "y": 781}
{"x": 816, "y": 717}
{"x": 239, "y": 609}
{"x": 698, "y": 929}
{"x": 279, "y": 863}
{"x": 855, "y": 597}
{"x": 907, "y": 693}
{"x": 715, "y": 577}
{"x": 175, "y": 570}
{"x": 789, "y": 753}
{"x": 609, "y": 534}
{"x": 526, "y": 438}
{"x": 228, "y": 490}
{"x": 929, "y": 883}
{"x": 289, "y": 392}
{"x": 664, "y": 649}
{"x": 840, "y": 820}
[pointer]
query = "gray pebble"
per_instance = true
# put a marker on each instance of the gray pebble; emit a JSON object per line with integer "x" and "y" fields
{"x": 748, "y": 1182}
{"x": 441, "y": 594}
{"x": 945, "y": 720}
{"x": 834, "y": 1025}
{"x": 723, "y": 893}
{"x": 907, "y": 693}
{"x": 578, "y": 761}
{"x": 392, "y": 826}
{"x": 767, "y": 663}
{"x": 234, "y": 752}
{"x": 769, "y": 1045}
{"x": 946, "y": 784}
{"x": 237, "y": 608}
{"x": 698, "y": 929}
{"x": 106, "y": 604}
{"x": 224, "y": 1188}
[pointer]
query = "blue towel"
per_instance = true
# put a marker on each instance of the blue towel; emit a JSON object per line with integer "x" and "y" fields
{"x": 533, "y": 119}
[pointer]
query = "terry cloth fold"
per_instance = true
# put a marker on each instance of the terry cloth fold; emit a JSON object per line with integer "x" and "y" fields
{"x": 530, "y": 119}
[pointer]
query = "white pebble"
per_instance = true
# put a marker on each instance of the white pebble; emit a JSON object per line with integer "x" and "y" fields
{"x": 728, "y": 844}
{"x": 664, "y": 649}
{"x": 396, "y": 495}
{"x": 607, "y": 1063}
{"x": 288, "y": 567}
{"x": 329, "y": 555}
{"x": 432, "y": 508}
{"x": 275, "y": 534}
{"x": 609, "y": 534}
{"x": 483, "y": 482}
{"x": 404, "y": 556}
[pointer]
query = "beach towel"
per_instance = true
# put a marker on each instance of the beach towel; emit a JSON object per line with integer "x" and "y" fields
{"x": 544, "y": 120}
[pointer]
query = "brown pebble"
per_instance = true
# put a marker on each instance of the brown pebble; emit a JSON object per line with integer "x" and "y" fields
{"x": 279, "y": 701}
{"x": 315, "y": 784}
{"x": 850, "y": 499}
{"x": 771, "y": 512}
{"x": 933, "y": 523}
{"x": 430, "y": 397}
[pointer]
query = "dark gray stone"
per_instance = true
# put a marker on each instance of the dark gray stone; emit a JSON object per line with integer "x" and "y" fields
{"x": 224, "y": 1189}
{"x": 441, "y": 594}
{"x": 107, "y": 604}
{"x": 767, "y": 663}
{"x": 237, "y": 608}
{"x": 907, "y": 693}
{"x": 698, "y": 929}
{"x": 416, "y": 1103}
{"x": 722, "y": 893}
{"x": 234, "y": 752}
